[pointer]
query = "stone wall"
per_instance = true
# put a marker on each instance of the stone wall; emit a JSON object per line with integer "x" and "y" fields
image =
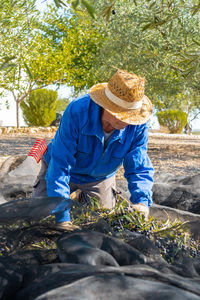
{"x": 53, "y": 129}
{"x": 26, "y": 130}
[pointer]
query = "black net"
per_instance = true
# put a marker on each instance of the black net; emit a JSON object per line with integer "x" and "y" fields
{"x": 94, "y": 261}
{"x": 30, "y": 209}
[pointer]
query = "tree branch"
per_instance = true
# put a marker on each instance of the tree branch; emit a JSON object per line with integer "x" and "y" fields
{"x": 30, "y": 89}
{"x": 195, "y": 116}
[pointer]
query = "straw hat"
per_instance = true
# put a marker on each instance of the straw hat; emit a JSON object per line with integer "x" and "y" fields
{"x": 123, "y": 97}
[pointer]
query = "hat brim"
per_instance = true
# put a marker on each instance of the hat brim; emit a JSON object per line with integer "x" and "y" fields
{"x": 130, "y": 116}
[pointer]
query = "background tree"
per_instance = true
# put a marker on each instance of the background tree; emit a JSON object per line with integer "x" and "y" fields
{"x": 174, "y": 119}
{"x": 40, "y": 107}
{"x": 29, "y": 60}
{"x": 161, "y": 14}
{"x": 16, "y": 20}
{"x": 156, "y": 39}
{"x": 39, "y": 56}
{"x": 80, "y": 40}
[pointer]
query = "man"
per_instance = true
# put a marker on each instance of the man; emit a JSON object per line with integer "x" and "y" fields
{"x": 98, "y": 132}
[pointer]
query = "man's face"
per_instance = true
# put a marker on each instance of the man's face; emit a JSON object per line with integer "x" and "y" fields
{"x": 110, "y": 123}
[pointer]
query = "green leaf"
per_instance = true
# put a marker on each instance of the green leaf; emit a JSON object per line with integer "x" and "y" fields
{"x": 90, "y": 8}
{"x": 107, "y": 12}
{"x": 152, "y": 4}
{"x": 8, "y": 58}
{"x": 169, "y": 4}
{"x": 128, "y": 218}
{"x": 189, "y": 71}
{"x": 195, "y": 9}
{"x": 64, "y": 4}
{"x": 75, "y": 4}
{"x": 57, "y": 3}
{"x": 6, "y": 65}
{"x": 149, "y": 26}
{"x": 198, "y": 43}
{"x": 170, "y": 26}
{"x": 6, "y": 22}
{"x": 28, "y": 71}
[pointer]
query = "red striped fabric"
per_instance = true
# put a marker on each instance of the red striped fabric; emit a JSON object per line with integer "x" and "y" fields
{"x": 38, "y": 149}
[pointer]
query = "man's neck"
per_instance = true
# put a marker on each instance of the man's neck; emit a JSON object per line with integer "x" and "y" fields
{"x": 107, "y": 127}
{"x": 110, "y": 122}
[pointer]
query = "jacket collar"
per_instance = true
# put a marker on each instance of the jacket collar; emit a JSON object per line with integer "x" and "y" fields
{"x": 119, "y": 135}
{"x": 94, "y": 126}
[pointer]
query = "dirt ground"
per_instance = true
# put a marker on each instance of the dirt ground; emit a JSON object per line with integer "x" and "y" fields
{"x": 179, "y": 156}
{"x": 176, "y": 156}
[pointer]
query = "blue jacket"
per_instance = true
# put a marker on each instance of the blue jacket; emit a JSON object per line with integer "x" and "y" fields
{"x": 76, "y": 154}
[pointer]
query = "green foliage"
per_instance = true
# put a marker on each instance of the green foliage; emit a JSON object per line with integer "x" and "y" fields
{"x": 28, "y": 60}
{"x": 163, "y": 18}
{"x": 80, "y": 40}
{"x": 157, "y": 39}
{"x": 175, "y": 120}
{"x": 172, "y": 238}
{"x": 39, "y": 109}
{"x": 154, "y": 51}
{"x": 141, "y": 37}
{"x": 17, "y": 19}
{"x": 77, "y": 5}
{"x": 108, "y": 5}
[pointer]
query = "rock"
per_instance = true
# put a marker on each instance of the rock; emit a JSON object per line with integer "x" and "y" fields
{"x": 178, "y": 192}
{"x": 194, "y": 228}
{"x": 28, "y": 168}
{"x": 18, "y": 175}
{"x": 162, "y": 213}
{"x": 2, "y": 200}
{"x": 178, "y": 198}
{"x": 10, "y": 164}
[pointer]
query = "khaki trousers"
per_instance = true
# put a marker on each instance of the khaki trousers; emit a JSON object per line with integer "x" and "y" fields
{"x": 104, "y": 190}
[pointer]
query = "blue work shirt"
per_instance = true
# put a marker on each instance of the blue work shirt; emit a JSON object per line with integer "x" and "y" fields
{"x": 76, "y": 154}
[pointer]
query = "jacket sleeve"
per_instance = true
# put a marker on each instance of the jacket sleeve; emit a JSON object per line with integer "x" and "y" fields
{"x": 63, "y": 151}
{"x": 138, "y": 168}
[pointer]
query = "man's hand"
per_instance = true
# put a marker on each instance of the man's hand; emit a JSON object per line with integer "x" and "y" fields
{"x": 76, "y": 196}
{"x": 140, "y": 207}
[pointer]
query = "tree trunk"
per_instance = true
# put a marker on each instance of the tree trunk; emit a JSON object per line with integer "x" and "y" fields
{"x": 17, "y": 113}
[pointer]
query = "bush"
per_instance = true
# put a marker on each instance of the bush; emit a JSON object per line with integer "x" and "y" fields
{"x": 39, "y": 109}
{"x": 174, "y": 119}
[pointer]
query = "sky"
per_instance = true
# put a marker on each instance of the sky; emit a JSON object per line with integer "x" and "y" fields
{"x": 8, "y": 116}
{"x": 42, "y": 4}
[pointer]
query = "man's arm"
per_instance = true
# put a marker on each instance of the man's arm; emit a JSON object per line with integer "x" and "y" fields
{"x": 63, "y": 151}
{"x": 138, "y": 169}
